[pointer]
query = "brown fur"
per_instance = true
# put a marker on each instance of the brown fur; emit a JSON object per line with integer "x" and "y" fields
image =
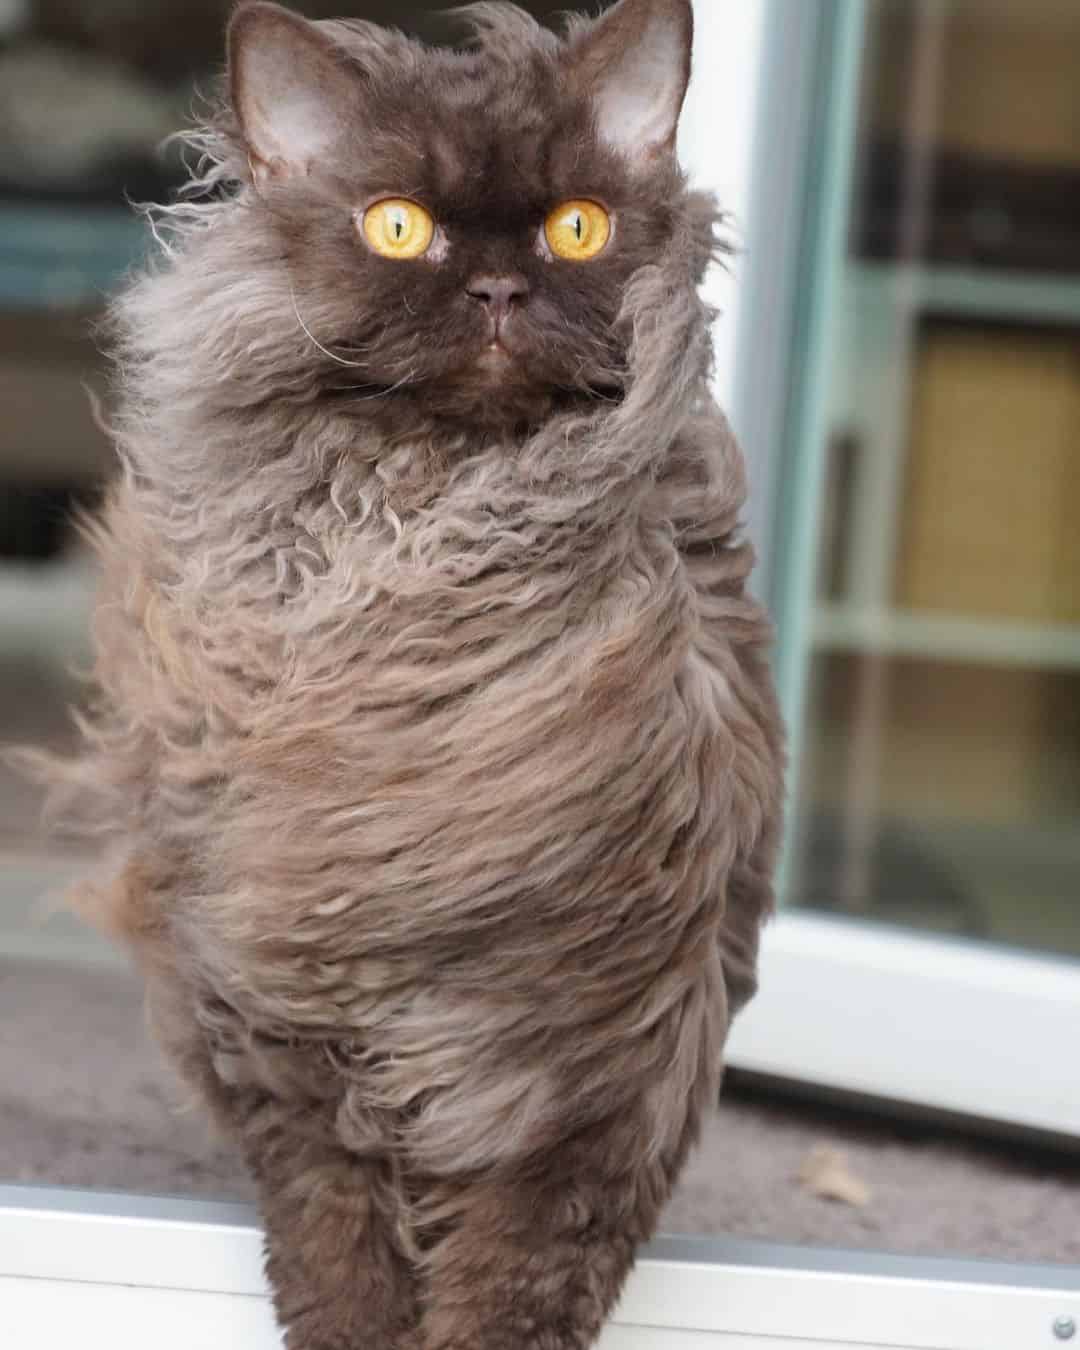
{"x": 435, "y": 734}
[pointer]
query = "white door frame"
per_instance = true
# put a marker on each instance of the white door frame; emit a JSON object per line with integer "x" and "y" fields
{"x": 82, "y": 1268}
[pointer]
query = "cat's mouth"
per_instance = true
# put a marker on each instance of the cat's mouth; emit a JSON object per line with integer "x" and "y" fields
{"x": 495, "y": 359}
{"x": 498, "y": 363}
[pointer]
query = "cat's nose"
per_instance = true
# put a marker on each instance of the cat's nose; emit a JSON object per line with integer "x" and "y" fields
{"x": 499, "y": 295}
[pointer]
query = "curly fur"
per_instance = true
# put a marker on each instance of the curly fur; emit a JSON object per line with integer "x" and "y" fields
{"x": 443, "y": 769}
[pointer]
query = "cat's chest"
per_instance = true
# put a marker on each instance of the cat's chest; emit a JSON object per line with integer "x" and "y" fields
{"x": 463, "y": 572}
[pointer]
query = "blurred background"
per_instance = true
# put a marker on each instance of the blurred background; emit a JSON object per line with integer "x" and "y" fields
{"x": 940, "y": 745}
{"x": 919, "y": 523}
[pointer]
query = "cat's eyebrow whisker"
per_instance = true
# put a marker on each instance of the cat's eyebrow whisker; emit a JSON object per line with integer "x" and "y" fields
{"x": 315, "y": 341}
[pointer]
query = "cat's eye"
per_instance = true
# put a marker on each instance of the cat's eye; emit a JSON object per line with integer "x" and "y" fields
{"x": 577, "y": 230}
{"x": 398, "y": 228}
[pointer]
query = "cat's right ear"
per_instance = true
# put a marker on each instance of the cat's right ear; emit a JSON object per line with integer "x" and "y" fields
{"x": 291, "y": 90}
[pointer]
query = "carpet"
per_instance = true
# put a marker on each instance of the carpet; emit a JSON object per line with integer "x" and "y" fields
{"x": 85, "y": 1101}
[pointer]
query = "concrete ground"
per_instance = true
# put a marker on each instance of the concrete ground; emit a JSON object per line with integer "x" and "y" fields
{"x": 84, "y": 1101}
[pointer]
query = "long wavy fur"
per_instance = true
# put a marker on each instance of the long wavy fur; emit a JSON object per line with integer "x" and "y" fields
{"x": 455, "y": 765}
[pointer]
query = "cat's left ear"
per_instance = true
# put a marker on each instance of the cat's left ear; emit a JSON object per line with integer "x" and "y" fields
{"x": 634, "y": 65}
{"x": 291, "y": 89}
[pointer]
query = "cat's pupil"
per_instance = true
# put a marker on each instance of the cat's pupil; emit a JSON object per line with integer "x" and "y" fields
{"x": 578, "y": 223}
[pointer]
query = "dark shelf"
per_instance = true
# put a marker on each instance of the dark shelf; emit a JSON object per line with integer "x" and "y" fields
{"x": 995, "y": 213}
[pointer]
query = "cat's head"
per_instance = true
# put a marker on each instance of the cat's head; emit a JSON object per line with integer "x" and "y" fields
{"x": 459, "y": 227}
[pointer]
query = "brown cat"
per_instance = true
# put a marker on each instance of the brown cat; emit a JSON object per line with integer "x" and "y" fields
{"x": 435, "y": 728}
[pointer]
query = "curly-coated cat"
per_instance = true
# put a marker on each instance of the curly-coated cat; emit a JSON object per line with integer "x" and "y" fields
{"x": 435, "y": 734}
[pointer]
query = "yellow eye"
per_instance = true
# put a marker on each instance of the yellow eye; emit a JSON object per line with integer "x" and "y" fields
{"x": 578, "y": 230}
{"x": 398, "y": 228}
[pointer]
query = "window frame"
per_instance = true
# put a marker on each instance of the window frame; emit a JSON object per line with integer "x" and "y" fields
{"x": 188, "y": 1274}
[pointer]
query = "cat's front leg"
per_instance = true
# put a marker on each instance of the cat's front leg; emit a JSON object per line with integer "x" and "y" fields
{"x": 335, "y": 1221}
{"x": 537, "y": 1262}
{"x": 334, "y": 1257}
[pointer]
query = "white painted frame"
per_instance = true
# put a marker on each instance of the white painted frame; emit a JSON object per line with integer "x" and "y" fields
{"x": 927, "y": 1021}
{"x": 718, "y": 142}
{"x": 96, "y": 1270}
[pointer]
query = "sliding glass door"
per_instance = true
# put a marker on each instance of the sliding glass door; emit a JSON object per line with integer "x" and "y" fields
{"x": 926, "y": 557}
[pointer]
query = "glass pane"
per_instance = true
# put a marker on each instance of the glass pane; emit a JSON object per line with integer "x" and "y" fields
{"x": 86, "y": 1101}
{"x": 939, "y": 764}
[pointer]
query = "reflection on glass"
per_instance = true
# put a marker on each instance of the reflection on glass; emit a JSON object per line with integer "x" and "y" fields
{"x": 87, "y": 92}
{"x": 941, "y": 754}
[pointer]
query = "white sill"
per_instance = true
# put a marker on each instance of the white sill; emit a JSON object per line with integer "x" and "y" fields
{"x": 965, "y": 1028}
{"x": 186, "y": 1275}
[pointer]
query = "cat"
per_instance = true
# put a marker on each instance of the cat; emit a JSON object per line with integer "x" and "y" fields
{"x": 434, "y": 733}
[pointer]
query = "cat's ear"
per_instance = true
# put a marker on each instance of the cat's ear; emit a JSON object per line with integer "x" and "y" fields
{"x": 634, "y": 64}
{"x": 291, "y": 89}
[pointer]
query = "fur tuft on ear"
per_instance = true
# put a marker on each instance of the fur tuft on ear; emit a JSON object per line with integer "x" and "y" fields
{"x": 634, "y": 64}
{"x": 291, "y": 89}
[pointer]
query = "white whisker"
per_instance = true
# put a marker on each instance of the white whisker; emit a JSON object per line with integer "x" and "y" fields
{"x": 382, "y": 393}
{"x": 315, "y": 341}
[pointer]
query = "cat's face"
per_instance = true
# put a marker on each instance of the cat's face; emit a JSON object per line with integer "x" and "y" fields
{"x": 460, "y": 227}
